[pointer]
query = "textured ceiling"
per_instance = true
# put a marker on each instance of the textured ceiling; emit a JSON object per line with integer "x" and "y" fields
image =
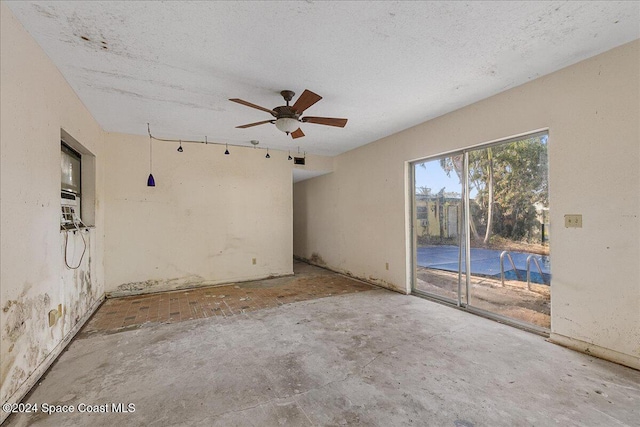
{"x": 385, "y": 66}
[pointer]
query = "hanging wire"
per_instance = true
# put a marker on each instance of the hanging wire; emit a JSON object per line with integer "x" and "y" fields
{"x": 151, "y": 182}
{"x": 66, "y": 243}
{"x": 150, "y": 156}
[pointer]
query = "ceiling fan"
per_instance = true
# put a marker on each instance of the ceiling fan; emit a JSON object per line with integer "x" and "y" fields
{"x": 287, "y": 118}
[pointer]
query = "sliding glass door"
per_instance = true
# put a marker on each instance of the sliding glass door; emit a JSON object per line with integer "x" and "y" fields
{"x": 481, "y": 229}
{"x": 438, "y": 226}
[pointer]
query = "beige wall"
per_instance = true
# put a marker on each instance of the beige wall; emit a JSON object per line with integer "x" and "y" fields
{"x": 211, "y": 214}
{"x": 354, "y": 219}
{"x": 204, "y": 222}
{"x": 35, "y": 104}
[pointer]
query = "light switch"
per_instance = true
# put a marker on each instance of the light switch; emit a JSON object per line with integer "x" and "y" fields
{"x": 573, "y": 221}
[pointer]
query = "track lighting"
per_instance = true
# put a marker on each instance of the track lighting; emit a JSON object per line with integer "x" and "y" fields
{"x": 151, "y": 182}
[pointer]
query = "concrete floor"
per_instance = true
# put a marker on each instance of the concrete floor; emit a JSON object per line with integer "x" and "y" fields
{"x": 374, "y": 358}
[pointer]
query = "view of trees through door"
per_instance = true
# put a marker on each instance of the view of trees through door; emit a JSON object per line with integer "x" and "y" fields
{"x": 494, "y": 200}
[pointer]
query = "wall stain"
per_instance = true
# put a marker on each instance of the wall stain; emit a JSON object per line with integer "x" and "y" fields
{"x": 20, "y": 311}
{"x": 386, "y": 284}
{"x": 317, "y": 259}
{"x": 25, "y": 326}
{"x": 165, "y": 283}
{"x": 85, "y": 292}
{"x": 138, "y": 286}
{"x": 23, "y": 319}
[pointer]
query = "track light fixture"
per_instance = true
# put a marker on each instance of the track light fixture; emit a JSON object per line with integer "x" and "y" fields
{"x": 267, "y": 156}
{"x": 226, "y": 149}
{"x": 151, "y": 182}
{"x": 180, "y": 150}
{"x": 290, "y": 158}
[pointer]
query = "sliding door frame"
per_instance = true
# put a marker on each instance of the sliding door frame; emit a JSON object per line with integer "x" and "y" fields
{"x": 464, "y": 234}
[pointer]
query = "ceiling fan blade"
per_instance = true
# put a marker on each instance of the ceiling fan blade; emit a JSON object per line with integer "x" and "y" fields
{"x": 254, "y": 124}
{"x": 248, "y": 104}
{"x": 329, "y": 121}
{"x": 297, "y": 134}
{"x": 306, "y": 100}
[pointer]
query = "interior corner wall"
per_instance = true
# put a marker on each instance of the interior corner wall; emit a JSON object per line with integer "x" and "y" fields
{"x": 35, "y": 104}
{"x": 208, "y": 217}
{"x": 355, "y": 219}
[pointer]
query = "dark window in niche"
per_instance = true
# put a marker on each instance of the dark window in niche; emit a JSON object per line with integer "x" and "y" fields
{"x": 70, "y": 170}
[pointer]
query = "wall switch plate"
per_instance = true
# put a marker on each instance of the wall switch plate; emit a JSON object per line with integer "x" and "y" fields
{"x": 573, "y": 221}
{"x": 253, "y": 261}
{"x": 387, "y": 266}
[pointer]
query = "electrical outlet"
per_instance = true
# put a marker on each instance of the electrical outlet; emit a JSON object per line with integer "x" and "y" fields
{"x": 253, "y": 261}
{"x": 573, "y": 221}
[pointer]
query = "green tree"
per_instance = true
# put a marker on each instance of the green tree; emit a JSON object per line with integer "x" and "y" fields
{"x": 521, "y": 187}
{"x": 511, "y": 184}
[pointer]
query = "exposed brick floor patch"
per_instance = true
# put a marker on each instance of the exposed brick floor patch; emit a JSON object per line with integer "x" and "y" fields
{"x": 219, "y": 301}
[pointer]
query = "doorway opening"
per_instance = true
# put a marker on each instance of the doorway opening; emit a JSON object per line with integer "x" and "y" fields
{"x": 480, "y": 225}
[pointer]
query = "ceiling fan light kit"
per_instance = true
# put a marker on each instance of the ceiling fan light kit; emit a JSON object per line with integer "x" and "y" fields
{"x": 287, "y": 125}
{"x": 287, "y": 117}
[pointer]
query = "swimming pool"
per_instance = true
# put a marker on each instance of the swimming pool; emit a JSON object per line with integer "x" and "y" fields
{"x": 484, "y": 262}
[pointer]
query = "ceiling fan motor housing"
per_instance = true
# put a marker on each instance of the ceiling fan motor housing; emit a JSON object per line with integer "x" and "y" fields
{"x": 286, "y": 111}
